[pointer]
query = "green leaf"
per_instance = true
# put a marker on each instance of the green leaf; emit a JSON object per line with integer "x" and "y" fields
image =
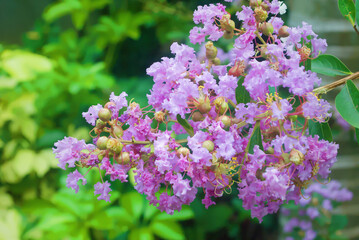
{"x": 338, "y": 222}
{"x": 133, "y": 203}
{"x": 256, "y": 138}
{"x": 329, "y": 65}
{"x": 357, "y": 134}
{"x": 321, "y": 129}
{"x": 242, "y": 95}
{"x": 101, "y": 221}
{"x": 185, "y": 214}
{"x": 215, "y": 218}
{"x": 185, "y": 124}
{"x": 60, "y": 9}
{"x": 141, "y": 234}
{"x": 357, "y": 11}
{"x": 167, "y": 230}
{"x": 24, "y": 66}
{"x": 347, "y": 103}
{"x": 347, "y": 9}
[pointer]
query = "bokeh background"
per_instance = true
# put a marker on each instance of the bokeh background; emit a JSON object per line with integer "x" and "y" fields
{"x": 59, "y": 57}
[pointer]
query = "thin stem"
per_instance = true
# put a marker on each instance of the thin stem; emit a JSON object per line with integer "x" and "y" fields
{"x": 331, "y": 86}
{"x": 260, "y": 38}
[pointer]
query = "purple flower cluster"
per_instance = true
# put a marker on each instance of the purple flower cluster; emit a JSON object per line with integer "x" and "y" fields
{"x": 198, "y": 95}
{"x": 312, "y": 217}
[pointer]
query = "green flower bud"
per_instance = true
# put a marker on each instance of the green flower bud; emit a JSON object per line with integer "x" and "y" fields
{"x": 209, "y": 145}
{"x": 260, "y": 14}
{"x": 266, "y": 28}
{"x": 216, "y": 61}
{"x": 117, "y": 130}
{"x": 114, "y": 145}
{"x": 123, "y": 158}
{"x": 102, "y": 143}
{"x": 225, "y": 120}
{"x": 296, "y": 156}
{"x": 255, "y": 3}
{"x": 285, "y": 157}
{"x": 223, "y": 109}
{"x": 182, "y": 151}
{"x": 105, "y": 114}
{"x": 204, "y": 104}
{"x": 100, "y": 124}
{"x": 211, "y": 51}
{"x": 227, "y": 24}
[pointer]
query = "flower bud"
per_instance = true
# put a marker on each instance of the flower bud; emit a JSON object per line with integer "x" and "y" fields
{"x": 225, "y": 120}
{"x": 114, "y": 145}
{"x": 260, "y": 14}
{"x": 283, "y": 32}
{"x": 197, "y": 117}
{"x": 270, "y": 150}
{"x": 105, "y": 114}
{"x": 216, "y": 61}
{"x": 160, "y": 116}
{"x": 285, "y": 157}
{"x": 264, "y": 52}
{"x": 211, "y": 51}
{"x": 255, "y": 3}
{"x": 304, "y": 53}
{"x": 293, "y": 118}
{"x": 182, "y": 151}
{"x": 209, "y": 145}
{"x": 110, "y": 105}
{"x": 238, "y": 69}
{"x": 228, "y": 34}
{"x": 223, "y": 108}
{"x": 265, "y": 6}
{"x": 123, "y": 158}
{"x": 266, "y": 28}
{"x": 102, "y": 143}
{"x": 296, "y": 156}
{"x": 227, "y": 24}
{"x": 100, "y": 124}
{"x": 218, "y": 101}
{"x": 203, "y": 104}
{"x": 118, "y": 131}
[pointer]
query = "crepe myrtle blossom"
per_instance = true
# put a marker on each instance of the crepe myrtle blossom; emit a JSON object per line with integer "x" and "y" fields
{"x": 241, "y": 131}
{"x": 306, "y": 219}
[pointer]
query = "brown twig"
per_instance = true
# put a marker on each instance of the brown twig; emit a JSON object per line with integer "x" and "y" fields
{"x": 331, "y": 86}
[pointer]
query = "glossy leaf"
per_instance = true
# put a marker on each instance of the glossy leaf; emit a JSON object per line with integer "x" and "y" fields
{"x": 256, "y": 138}
{"x": 321, "y": 129}
{"x": 357, "y": 12}
{"x": 329, "y": 65}
{"x": 167, "y": 230}
{"x": 242, "y": 95}
{"x": 347, "y": 103}
{"x": 347, "y": 9}
{"x": 185, "y": 124}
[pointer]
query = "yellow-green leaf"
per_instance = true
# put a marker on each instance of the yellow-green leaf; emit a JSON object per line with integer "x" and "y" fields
{"x": 23, "y": 65}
